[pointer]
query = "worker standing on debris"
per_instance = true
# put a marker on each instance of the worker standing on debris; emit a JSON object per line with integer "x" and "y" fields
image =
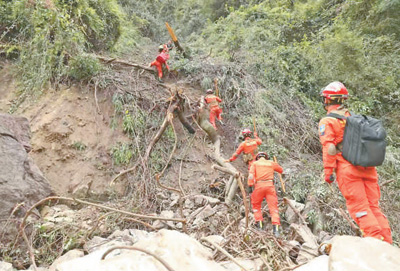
{"x": 161, "y": 59}
{"x": 359, "y": 185}
{"x": 249, "y": 147}
{"x": 213, "y": 105}
{"x": 261, "y": 180}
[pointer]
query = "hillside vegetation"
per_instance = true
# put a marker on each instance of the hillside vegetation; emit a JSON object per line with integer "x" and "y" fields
{"x": 271, "y": 59}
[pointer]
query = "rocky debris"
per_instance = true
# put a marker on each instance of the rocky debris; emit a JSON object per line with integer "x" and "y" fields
{"x": 61, "y": 214}
{"x": 250, "y": 265}
{"x": 70, "y": 255}
{"x": 290, "y": 215}
{"x": 317, "y": 264}
{"x": 179, "y": 250}
{"x": 21, "y": 181}
{"x": 160, "y": 224}
{"x": 4, "y": 266}
{"x": 351, "y": 253}
{"x": 308, "y": 241}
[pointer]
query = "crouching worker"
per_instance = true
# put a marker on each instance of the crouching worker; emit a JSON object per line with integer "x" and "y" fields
{"x": 261, "y": 184}
{"x": 249, "y": 147}
{"x": 161, "y": 59}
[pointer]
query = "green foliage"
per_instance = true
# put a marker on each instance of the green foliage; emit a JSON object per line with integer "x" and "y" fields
{"x": 83, "y": 67}
{"x": 53, "y": 41}
{"x": 122, "y": 153}
{"x": 78, "y": 145}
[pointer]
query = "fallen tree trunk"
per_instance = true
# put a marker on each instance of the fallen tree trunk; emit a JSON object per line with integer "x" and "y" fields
{"x": 174, "y": 108}
{"x": 202, "y": 119}
{"x": 107, "y": 60}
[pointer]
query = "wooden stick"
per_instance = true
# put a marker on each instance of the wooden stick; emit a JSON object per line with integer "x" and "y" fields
{"x": 216, "y": 86}
{"x": 225, "y": 253}
{"x": 166, "y": 265}
{"x": 280, "y": 178}
{"x": 124, "y": 63}
{"x": 287, "y": 201}
{"x": 225, "y": 170}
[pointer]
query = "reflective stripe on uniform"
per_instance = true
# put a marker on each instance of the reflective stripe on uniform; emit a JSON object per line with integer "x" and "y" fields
{"x": 361, "y": 214}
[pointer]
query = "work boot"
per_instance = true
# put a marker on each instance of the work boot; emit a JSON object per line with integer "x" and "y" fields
{"x": 275, "y": 230}
{"x": 220, "y": 121}
{"x": 260, "y": 225}
{"x": 160, "y": 80}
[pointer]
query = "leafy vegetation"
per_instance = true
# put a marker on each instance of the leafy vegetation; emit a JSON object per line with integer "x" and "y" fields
{"x": 51, "y": 39}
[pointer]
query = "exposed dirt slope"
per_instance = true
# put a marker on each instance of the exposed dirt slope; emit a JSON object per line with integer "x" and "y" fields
{"x": 72, "y": 138}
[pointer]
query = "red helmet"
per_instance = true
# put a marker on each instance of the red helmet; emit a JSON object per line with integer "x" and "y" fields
{"x": 335, "y": 91}
{"x": 246, "y": 132}
{"x": 209, "y": 91}
{"x": 262, "y": 154}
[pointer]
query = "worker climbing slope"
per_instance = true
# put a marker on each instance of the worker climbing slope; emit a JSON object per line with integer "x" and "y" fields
{"x": 261, "y": 180}
{"x": 161, "y": 59}
{"x": 213, "y": 105}
{"x": 249, "y": 147}
{"x": 358, "y": 184}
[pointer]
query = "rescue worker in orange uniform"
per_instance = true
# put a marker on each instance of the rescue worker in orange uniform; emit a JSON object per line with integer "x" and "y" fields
{"x": 261, "y": 179}
{"x": 249, "y": 147}
{"x": 213, "y": 105}
{"x": 161, "y": 59}
{"x": 359, "y": 185}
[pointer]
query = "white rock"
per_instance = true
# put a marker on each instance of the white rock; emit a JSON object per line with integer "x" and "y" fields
{"x": 351, "y": 253}
{"x": 180, "y": 251}
{"x": 250, "y": 265}
{"x": 188, "y": 204}
{"x": 307, "y": 252}
{"x": 5, "y": 266}
{"x": 317, "y": 264}
{"x": 216, "y": 239}
{"x": 72, "y": 254}
{"x": 290, "y": 215}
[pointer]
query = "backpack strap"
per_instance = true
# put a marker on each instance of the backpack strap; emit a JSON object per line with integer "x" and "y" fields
{"x": 336, "y": 116}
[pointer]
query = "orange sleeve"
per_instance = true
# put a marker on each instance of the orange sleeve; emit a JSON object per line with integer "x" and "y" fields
{"x": 258, "y": 140}
{"x": 237, "y": 153}
{"x": 277, "y": 167}
{"x": 219, "y": 99}
{"x": 327, "y": 136}
{"x": 250, "y": 180}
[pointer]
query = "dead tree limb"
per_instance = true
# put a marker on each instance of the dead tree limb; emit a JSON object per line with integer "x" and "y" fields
{"x": 176, "y": 107}
{"x": 287, "y": 201}
{"x": 223, "y": 251}
{"x": 239, "y": 178}
{"x": 166, "y": 265}
{"x": 22, "y": 225}
{"x": 202, "y": 119}
{"x": 107, "y": 60}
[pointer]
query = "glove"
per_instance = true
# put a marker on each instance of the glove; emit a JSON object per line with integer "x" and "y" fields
{"x": 255, "y": 134}
{"x": 329, "y": 178}
{"x": 250, "y": 189}
{"x": 227, "y": 161}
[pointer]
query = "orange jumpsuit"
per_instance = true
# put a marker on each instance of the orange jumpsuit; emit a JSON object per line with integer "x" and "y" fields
{"x": 249, "y": 145}
{"x": 215, "y": 111}
{"x": 261, "y": 176}
{"x": 161, "y": 60}
{"x": 359, "y": 185}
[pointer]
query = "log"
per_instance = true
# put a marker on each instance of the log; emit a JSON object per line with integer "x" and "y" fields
{"x": 107, "y": 60}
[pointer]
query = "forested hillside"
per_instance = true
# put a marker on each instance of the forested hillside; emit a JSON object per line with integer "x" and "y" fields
{"x": 271, "y": 59}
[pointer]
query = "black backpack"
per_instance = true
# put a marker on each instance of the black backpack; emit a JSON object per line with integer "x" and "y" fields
{"x": 364, "y": 141}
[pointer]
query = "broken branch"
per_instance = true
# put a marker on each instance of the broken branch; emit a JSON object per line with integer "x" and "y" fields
{"x": 166, "y": 265}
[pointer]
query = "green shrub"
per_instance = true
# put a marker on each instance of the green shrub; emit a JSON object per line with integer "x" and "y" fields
{"x": 83, "y": 67}
{"x": 121, "y": 153}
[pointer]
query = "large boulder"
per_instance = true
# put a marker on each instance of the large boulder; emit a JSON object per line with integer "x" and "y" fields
{"x": 351, "y": 253}
{"x": 21, "y": 181}
{"x": 179, "y": 250}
